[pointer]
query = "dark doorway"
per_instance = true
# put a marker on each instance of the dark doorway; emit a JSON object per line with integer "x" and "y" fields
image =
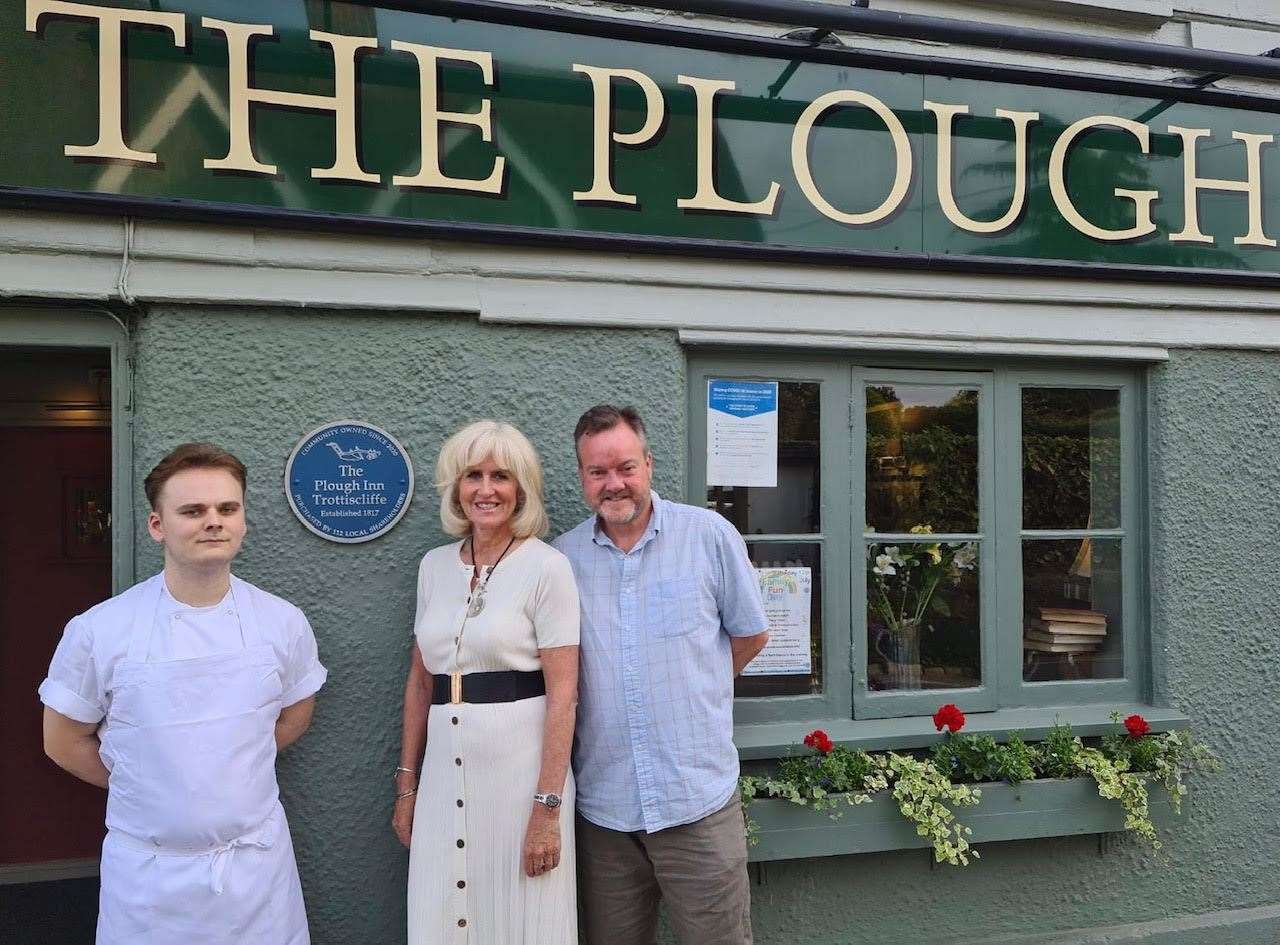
{"x": 55, "y": 562}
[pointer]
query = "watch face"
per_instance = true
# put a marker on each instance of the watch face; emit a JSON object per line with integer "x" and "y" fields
{"x": 551, "y": 800}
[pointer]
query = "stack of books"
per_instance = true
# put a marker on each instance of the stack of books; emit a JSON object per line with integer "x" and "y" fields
{"x": 1066, "y": 630}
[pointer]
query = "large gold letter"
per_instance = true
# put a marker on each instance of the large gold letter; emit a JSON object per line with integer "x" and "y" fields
{"x": 1193, "y": 184}
{"x": 1142, "y": 199}
{"x": 602, "y": 120}
{"x": 431, "y": 174}
{"x": 800, "y": 155}
{"x": 946, "y": 153}
{"x": 706, "y": 197}
{"x": 111, "y": 23}
{"x": 240, "y": 157}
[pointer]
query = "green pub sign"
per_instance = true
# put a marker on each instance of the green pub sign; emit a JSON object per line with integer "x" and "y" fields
{"x": 481, "y": 122}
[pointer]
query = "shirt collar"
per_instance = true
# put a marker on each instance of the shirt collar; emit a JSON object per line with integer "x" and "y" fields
{"x": 170, "y": 603}
{"x": 656, "y": 502}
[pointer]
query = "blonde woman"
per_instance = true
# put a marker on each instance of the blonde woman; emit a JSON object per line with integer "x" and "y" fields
{"x": 489, "y": 710}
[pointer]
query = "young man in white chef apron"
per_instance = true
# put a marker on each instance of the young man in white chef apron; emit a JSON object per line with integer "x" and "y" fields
{"x": 176, "y": 697}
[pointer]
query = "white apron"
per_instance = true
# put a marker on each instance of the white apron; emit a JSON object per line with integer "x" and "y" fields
{"x": 197, "y": 850}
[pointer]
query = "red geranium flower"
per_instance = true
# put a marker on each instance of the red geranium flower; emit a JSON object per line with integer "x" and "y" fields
{"x": 1137, "y": 726}
{"x": 818, "y": 740}
{"x": 949, "y": 717}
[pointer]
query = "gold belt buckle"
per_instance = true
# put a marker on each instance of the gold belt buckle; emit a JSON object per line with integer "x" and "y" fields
{"x": 455, "y": 688}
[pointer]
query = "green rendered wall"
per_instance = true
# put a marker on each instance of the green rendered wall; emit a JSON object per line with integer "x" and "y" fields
{"x": 258, "y": 380}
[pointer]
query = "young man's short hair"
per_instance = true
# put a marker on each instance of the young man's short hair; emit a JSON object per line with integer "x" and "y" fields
{"x": 192, "y": 456}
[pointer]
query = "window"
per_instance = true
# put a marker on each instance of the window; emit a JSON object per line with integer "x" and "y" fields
{"x": 967, "y": 536}
{"x": 924, "y": 438}
{"x": 783, "y": 525}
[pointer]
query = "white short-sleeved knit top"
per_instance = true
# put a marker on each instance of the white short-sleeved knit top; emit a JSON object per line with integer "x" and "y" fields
{"x": 530, "y": 603}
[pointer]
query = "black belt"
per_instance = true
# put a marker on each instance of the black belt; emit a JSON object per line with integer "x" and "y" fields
{"x": 505, "y": 686}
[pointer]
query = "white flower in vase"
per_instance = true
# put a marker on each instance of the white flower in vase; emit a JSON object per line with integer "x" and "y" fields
{"x": 884, "y": 565}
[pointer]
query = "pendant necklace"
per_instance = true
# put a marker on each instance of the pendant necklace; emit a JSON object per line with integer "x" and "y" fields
{"x": 475, "y": 603}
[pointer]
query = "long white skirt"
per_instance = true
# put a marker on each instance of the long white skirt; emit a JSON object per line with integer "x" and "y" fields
{"x": 467, "y": 885}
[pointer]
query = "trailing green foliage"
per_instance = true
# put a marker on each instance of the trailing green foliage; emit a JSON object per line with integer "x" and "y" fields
{"x": 1169, "y": 757}
{"x": 1118, "y": 784}
{"x": 928, "y": 788}
{"x": 925, "y": 797}
{"x": 820, "y": 781}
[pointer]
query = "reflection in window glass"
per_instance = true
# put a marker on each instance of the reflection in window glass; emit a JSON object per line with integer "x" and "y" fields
{"x": 778, "y": 652}
{"x": 923, "y": 617}
{"x": 792, "y": 507}
{"x": 1070, "y": 458}
{"x": 1071, "y": 604}
{"x": 922, "y": 458}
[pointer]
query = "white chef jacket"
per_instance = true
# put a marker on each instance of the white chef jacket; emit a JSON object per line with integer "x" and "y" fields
{"x": 173, "y": 874}
{"x": 79, "y": 683}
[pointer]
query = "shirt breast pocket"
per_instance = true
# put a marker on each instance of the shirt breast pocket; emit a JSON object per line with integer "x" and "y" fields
{"x": 675, "y": 606}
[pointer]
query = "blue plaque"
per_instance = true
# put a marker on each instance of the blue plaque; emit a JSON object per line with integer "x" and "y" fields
{"x": 349, "y": 481}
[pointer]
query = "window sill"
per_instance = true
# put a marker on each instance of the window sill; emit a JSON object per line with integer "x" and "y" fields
{"x": 765, "y": 740}
{"x": 1033, "y": 809}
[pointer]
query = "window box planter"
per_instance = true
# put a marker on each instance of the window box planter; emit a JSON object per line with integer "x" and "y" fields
{"x": 1045, "y": 808}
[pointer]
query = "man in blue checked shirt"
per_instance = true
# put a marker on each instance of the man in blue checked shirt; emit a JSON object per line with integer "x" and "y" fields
{"x": 671, "y": 612}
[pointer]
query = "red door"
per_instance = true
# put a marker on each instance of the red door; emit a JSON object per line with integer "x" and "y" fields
{"x": 55, "y": 562}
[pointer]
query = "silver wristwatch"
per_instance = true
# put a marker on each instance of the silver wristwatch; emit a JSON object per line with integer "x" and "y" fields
{"x": 549, "y": 801}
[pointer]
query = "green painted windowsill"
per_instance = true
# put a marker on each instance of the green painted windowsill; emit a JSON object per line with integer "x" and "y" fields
{"x": 1030, "y": 810}
{"x": 766, "y": 740}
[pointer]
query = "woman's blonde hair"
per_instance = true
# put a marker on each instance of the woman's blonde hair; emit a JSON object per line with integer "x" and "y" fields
{"x": 510, "y": 450}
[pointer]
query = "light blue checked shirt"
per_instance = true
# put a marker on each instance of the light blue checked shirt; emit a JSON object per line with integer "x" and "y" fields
{"x": 654, "y": 743}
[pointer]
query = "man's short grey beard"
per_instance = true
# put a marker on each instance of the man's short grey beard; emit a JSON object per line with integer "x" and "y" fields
{"x": 631, "y": 518}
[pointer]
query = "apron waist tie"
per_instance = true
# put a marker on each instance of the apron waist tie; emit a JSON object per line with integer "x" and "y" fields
{"x": 221, "y": 858}
{"x": 261, "y": 837}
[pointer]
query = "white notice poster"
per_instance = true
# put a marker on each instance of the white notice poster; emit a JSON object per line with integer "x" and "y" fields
{"x": 786, "y": 593}
{"x": 742, "y": 433}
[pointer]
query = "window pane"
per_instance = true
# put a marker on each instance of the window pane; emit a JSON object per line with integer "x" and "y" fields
{"x": 923, "y": 617}
{"x": 793, "y": 569}
{"x": 1070, "y": 458}
{"x": 792, "y": 507}
{"x": 922, "y": 458}
{"x": 1071, "y": 604}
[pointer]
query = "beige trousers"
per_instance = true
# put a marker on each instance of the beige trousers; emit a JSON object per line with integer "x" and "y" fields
{"x": 699, "y": 869}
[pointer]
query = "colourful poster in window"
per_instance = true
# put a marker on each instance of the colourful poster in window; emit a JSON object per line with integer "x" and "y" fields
{"x": 787, "y": 594}
{"x": 742, "y": 433}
